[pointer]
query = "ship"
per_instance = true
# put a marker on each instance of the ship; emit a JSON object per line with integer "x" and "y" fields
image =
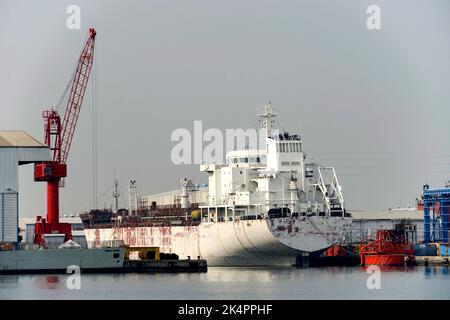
{"x": 264, "y": 207}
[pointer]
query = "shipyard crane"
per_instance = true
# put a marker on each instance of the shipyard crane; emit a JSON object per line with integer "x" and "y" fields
{"x": 58, "y": 136}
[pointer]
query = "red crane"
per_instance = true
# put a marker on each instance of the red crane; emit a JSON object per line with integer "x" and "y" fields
{"x": 58, "y": 136}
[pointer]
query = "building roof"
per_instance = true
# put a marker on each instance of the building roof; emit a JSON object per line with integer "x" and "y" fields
{"x": 387, "y": 215}
{"x": 18, "y": 139}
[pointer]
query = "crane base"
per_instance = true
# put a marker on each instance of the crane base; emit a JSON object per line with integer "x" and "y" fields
{"x": 42, "y": 228}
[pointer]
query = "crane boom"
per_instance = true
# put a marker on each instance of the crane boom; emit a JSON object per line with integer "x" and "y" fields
{"x": 79, "y": 84}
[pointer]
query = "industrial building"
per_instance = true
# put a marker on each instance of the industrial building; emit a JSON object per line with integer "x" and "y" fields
{"x": 366, "y": 223}
{"x": 16, "y": 148}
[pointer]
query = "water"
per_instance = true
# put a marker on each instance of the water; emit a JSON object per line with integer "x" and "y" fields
{"x": 238, "y": 283}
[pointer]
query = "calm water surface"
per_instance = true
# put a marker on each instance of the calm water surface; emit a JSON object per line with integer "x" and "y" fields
{"x": 238, "y": 283}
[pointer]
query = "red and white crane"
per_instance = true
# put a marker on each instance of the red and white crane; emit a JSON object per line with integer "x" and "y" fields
{"x": 59, "y": 136}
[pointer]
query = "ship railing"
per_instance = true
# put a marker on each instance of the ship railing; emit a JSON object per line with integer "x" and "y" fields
{"x": 279, "y": 215}
{"x": 144, "y": 223}
{"x": 106, "y": 244}
{"x": 250, "y": 217}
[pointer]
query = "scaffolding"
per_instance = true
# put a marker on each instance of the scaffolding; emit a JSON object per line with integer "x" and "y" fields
{"x": 435, "y": 214}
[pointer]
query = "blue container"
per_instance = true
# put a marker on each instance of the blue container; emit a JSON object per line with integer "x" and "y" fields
{"x": 425, "y": 249}
{"x": 444, "y": 249}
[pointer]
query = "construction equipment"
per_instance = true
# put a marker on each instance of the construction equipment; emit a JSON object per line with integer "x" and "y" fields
{"x": 390, "y": 248}
{"x": 436, "y": 216}
{"x": 58, "y": 136}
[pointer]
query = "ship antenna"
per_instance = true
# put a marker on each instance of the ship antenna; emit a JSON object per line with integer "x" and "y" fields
{"x": 116, "y": 194}
{"x": 267, "y": 116}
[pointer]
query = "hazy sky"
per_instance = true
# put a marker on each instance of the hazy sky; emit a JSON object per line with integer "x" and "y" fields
{"x": 375, "y": 104}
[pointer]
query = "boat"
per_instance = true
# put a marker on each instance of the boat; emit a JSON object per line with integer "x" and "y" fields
{"x": 264, "y": 207}
{"x": 61, "y": 260}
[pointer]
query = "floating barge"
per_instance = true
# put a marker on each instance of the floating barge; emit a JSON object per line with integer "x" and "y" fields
{"x": 104, "y": 260}
{"x": 148, "y": 266}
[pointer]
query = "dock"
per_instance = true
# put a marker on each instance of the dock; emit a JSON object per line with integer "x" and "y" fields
{"x": 431, "y": 260}
{"x": 148, "y": 266}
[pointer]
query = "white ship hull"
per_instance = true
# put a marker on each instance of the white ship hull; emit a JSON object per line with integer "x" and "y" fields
{"x": 58, "y": 260}
{"x": 264, "y": 242}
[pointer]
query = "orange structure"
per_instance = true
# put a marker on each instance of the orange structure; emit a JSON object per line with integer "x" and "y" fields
{"x": 390, "y": 248}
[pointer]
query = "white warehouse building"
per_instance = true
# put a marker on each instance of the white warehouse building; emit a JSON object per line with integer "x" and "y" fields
{"x": 16, "y": 148}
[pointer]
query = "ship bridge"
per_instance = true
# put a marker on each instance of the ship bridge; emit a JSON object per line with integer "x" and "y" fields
{"x": 247, "y": 157}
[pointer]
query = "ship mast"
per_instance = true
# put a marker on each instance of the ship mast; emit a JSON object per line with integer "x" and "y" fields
{"x": 267, "y": 116}
{"x": 116, "y": 195}
{"x": 132, "y": 198}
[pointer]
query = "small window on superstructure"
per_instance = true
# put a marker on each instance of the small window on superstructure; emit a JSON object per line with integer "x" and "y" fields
{"x": 258, "y": 159}
{"x": 246, "y": 160}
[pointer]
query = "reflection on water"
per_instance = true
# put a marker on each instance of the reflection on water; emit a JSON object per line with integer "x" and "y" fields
{"x": 391, "y": 268}
{"x": 50, "y": 282}
{"x": 430, "y": 271}
{"x": 238, "y": 283}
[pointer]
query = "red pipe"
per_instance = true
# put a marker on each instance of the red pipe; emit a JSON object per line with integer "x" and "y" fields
{"x": 53, "y": 201}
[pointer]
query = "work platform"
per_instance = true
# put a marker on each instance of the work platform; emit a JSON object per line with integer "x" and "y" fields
{"x": 148, "y": 266}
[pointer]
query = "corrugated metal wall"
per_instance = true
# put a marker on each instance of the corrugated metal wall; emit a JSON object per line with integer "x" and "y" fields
{"x": 9, "y": 217}
{"x": 362, "y": 228}
{"x": 29, "y": 233}
{"x": 9, "y": 165}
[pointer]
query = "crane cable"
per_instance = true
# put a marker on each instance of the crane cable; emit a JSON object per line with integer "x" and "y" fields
{"x": 94, "y": 134}
{"x": 64, "y": 95}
